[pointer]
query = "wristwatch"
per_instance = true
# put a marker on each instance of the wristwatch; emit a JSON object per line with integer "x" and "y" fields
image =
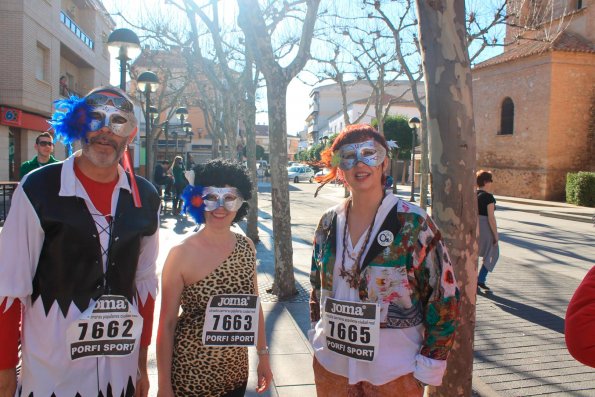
{"x": 262, "y": 352}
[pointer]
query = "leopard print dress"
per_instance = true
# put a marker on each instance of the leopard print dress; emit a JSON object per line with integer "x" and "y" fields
{"x": 207, "y": 371}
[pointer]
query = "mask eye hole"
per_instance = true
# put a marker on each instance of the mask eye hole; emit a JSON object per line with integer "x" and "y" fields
{"x": 116, "y": 119}
{"x": 348, "y": 155}
{"x": 211, "y": 197}
{"x": 368, "y": 152}
{"x": 229, "y": 198}
{"x": 96, "y": 116}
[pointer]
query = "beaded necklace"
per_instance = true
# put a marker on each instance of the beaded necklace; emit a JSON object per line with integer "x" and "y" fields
{"x": 352, "y": 276}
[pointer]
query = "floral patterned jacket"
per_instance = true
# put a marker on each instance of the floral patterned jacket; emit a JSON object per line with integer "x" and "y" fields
{"x": 412, "y": 278}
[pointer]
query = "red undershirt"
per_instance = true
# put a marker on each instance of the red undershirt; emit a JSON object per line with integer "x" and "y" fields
{"x": 100, "y": 193}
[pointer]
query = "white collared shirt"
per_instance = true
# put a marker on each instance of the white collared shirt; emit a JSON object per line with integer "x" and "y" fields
{"x": 398, "y": 352}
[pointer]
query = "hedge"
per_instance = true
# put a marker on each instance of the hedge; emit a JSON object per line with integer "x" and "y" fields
{"x": 580, "y": 188}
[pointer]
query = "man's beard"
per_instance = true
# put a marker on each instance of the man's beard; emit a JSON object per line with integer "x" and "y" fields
{"x": 100, "y": 159}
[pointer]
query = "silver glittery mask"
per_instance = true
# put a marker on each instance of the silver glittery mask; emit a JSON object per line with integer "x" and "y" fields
{"x": 113, "y": 112}
{"x": 226, "y": 197}
{"x": 369, "y": 152}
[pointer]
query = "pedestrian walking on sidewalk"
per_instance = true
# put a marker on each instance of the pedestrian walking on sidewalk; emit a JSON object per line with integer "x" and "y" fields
{"x": 384, "y": 301}
{"x": 213, "y": 262}
{"x": 580, "y": 321}
{"x": 489, "y": 249}
{"x": 78, "y": 256}
{"x": 178, "y": 171}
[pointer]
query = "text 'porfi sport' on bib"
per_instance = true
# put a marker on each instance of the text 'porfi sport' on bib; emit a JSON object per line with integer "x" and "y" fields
{"x": 352, "y": 329}
{"x": 231, "y": 320}
{"x": 111, "y": 327}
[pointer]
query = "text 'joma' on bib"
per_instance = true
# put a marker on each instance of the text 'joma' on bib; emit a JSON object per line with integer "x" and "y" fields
{"x": 111, "y": 327}
{"x": 352, "y": 329}
{"x": 231, "y": 320}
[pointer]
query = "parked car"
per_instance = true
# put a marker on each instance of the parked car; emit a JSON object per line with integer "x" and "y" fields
{"x": 297, "y": 174}
{"x": 322, "y": 172}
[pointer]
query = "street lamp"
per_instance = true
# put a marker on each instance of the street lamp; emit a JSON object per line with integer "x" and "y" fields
{"x": 124, "y": 45}
{"x": 414, "y": 124}
{"x": 147, "y": 82}
{"x": 182, "y": 114}
{"x": 186, "y": 128}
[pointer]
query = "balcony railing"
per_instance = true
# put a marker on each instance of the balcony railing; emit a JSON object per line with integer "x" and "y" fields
{"x": 76, "y": 30}
{"x": 6, "y": 191}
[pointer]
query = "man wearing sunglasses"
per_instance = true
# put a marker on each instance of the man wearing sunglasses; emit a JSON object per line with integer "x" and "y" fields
{"x": 78, "y": 256}
{"x": 44, "y": 144}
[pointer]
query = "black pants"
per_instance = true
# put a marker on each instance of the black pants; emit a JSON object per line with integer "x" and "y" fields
{"x": 167, "y": 182}
{"x": 177, "y": 204}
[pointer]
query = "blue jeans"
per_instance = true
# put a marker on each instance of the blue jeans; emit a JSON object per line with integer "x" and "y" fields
{"x": 483, "y": 275}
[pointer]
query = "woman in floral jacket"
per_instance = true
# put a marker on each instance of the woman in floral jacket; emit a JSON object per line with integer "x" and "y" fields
{"x": 384, "y": 301}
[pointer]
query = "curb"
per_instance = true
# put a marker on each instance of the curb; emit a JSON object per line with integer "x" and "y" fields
{"x": 570, "y": 217}
{"x": 482, "y": 389}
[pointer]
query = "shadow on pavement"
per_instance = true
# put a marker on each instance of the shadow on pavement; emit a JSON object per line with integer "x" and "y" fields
{"x": 526, "y": 312}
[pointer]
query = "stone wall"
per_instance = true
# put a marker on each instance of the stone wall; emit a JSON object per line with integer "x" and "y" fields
{"x": 518, "y": 161}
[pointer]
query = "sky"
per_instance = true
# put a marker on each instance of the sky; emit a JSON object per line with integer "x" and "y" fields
{"x": 298, "y": 92}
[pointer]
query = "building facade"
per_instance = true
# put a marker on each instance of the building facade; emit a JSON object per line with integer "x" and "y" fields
{"x": 534, "y": 104}
{"x": 49, "y": 49}
{"x": 357, "y": 108}
{"x": 326, "y": 104}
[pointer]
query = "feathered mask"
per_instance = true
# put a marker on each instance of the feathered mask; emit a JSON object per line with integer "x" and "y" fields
{"x": 71, "y": 121}
{"x": 193, "y": 203}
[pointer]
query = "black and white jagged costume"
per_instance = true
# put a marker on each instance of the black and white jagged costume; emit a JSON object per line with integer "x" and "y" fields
{"x": 59, "y": 254}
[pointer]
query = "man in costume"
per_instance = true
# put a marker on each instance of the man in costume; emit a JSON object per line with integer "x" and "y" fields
{"x": 44, "y": 145}
{"x": 78, "y": 259}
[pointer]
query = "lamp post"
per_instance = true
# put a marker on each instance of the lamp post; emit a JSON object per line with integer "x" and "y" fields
{"x": 148, "y": 82}
{"x": 124, "y": 45}
{"x": 186, "y": 129}
{"x": 181, "y": 114}
{"x": 414, "y": 124}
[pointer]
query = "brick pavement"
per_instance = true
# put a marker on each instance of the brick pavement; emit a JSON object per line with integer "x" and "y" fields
{"x": 519, "y": 336}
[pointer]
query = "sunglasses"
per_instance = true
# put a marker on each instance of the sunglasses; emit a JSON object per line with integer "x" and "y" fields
{"x": 119, "y": 102}
{"x": 45, "y": 143}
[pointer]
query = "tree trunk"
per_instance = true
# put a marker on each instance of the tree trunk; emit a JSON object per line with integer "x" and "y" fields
{"x": 284, "y": 284}
{"x": 452, "y": 152}
{"x": 423, "y": 164}
{"x": 404, "y": 173}
{"x": 252, "y": 220}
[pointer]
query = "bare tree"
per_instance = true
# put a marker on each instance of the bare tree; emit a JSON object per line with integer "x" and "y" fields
{"x": 442, "y": 35}
{"x": 259, "y": 39}
{"x": 239, "y": 84}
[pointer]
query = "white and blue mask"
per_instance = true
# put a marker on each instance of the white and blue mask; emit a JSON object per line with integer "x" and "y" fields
{"x": 114, "y": 112}
{"x": 370, "y": 152}
{"x": 226, "y": 197}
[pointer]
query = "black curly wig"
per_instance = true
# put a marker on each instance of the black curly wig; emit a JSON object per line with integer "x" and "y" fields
{"x": 221, "y": 173}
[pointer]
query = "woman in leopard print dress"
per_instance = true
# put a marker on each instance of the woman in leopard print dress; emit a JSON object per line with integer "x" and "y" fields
{"x": 211, "y": 262}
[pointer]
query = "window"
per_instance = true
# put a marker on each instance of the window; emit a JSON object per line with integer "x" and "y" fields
{"x": 41, "y": 63}
{"x": 507, "y": 117}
